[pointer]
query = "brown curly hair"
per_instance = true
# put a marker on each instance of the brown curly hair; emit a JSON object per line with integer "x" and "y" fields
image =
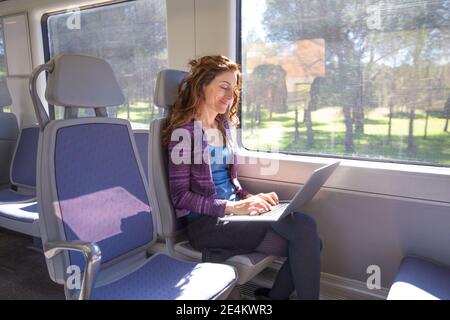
{"x": 190, "y": 92}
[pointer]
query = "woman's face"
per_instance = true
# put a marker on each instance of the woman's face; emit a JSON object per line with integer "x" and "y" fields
{"x": 219, "y": 94}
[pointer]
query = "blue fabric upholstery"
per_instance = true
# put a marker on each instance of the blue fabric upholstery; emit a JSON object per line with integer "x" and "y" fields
{"x": 418, "y": 279}
{"x": 23, "y": 170}
{"x": 24, "y": 212}
{"x": 101, "y": 194}
{"x": 141, "y": 139}
{"x": 164, "y": 278}
{"x": 8, "y": 195}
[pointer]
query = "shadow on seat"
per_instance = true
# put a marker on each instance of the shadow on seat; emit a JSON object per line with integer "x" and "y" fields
{"x": 96, "y": 221}
{"x": 170, "y": 229}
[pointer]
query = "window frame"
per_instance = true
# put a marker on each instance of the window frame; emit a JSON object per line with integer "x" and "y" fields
{"x": 388, "y": 162}
{"x": 45, "y": 35}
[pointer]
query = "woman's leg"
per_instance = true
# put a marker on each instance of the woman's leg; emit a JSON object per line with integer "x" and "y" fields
{"x": 208, "y": 232}
{"x": 302, "y": 268}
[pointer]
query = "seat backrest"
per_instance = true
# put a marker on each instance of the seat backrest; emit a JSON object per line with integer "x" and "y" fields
{"x": 166, "y": 92}
{"x": 91, "y": 183}
{"x": 8, "y": 133}
{"x": 23, "y": 168}
{"x": 141, "y": 138}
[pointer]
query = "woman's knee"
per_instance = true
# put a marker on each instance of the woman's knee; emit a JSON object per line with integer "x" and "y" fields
{"x": 295, "y": 226}
{"x": 305, "y": 221}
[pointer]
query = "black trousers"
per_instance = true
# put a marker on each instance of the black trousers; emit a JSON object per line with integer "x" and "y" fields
{"x": 301, "y": 271}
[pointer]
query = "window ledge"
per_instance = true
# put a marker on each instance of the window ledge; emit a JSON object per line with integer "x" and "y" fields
{"x": 390, "y": 179}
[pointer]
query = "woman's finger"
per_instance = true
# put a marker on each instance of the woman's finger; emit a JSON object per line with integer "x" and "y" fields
{"x": 268, "y": 198}
{"x": 253, "y": 211}
{"x": 275, "y": 197}
{"x": 264, "y": 204}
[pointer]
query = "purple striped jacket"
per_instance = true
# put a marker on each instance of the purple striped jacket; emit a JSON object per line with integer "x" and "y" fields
{"x": 190, "y": 178}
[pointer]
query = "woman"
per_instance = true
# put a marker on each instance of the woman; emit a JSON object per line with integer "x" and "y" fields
{"x": 204, "y": 186}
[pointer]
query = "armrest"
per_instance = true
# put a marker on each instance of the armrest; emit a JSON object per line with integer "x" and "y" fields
{"x": 92, "y": 259}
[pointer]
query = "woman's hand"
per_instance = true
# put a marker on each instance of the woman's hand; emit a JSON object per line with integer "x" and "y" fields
{"x": 253, "y": 205}
{"x": 271, "y": 198}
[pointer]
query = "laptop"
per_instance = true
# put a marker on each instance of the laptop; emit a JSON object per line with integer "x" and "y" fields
{"x": 301, "y": 198}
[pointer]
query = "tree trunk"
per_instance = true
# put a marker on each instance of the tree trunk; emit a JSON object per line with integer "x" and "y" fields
{"x": 391, "y": 110}
{"x": 252, "y": 119}
{"x": 296, "y": 135}
{"x": 411, "y": 146}
{"x": 359, "y": 118}
{"x": 349, "y": 147}
{"x": 358, "y": 113}
{"x": 309, "y": 129}
{"x": 426, "y": 125}
{"x": 258, "y": 114}
{"x": 447, "y": 114}
{"x": 312, "y": 105}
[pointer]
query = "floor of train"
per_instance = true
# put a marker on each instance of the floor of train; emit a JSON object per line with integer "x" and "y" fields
{"x": 23, "y": 272}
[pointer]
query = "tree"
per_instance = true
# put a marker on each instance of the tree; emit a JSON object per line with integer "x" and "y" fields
{"x": 328, "y": 20}
{"x": 311, "y": 106}
{"x": 266, "y": 86}
{"x": 447, "y": 113}
{"x": 362, "y": 39}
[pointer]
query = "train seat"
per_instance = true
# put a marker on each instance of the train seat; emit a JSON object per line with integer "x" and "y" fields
{"x": 95, "y": 212}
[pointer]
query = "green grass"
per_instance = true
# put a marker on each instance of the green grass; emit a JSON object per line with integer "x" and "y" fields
{"x": 329, "y": 133}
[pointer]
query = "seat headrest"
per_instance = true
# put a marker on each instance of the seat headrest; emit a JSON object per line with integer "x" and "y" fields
{"x": 5, "y": 97}
{"x": 166, "y": 89}
{"x": 82, "y": 82}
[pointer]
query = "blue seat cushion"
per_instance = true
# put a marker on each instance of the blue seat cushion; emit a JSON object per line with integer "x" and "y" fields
{"x": 101, "y": 194}
{"x": 8, "y": 195}
{"x": 24, "y": 212}
{"x": 23, "y": 171}
{"x": 419, "y": 279}
{"x": 166, "y": 278}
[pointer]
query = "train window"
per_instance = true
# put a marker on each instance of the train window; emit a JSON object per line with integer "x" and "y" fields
{"x": 130, "y": 35}
{"x": 352, "y": 79}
